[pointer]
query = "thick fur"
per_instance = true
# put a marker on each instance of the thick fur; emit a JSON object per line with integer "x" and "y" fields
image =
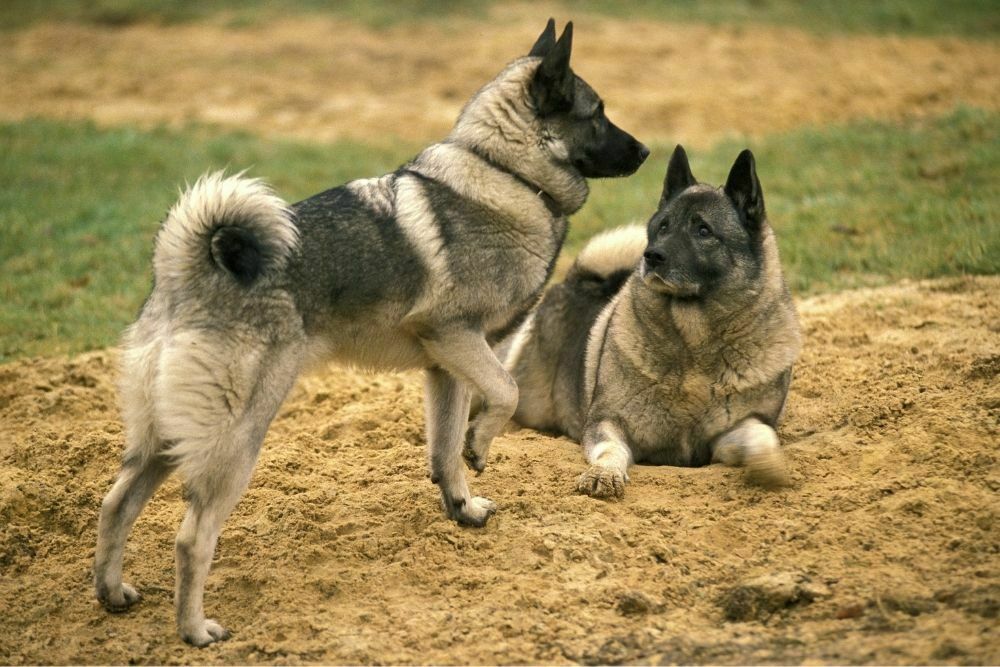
{"x": 423, "y": 267}
{"x": 670, "y": 344}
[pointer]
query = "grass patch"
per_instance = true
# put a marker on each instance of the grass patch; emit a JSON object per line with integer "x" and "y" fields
{"x": 375, "y": 13}
{"x": 862, "y": 204}
{"x": 80, "y": 206}
{"x": 974, "y": 18}
{"x": 971, "y": 18}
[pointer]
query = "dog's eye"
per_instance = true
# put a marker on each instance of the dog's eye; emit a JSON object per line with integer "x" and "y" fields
{"x": 698, "y": 222}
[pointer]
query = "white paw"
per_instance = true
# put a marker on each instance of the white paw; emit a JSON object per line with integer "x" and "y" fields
{"x": 755, "y": 446}
{"x": 476, "y": 450}
{"x": 767, "y": 468}
{"x": 728, "y": 453}
{"x": 120, "y": 600}
{"x": 475, "y": 511}
{"x": 204, "y": 633}
{"x": 600, "y": 481}
{"x": 483, "y": 505}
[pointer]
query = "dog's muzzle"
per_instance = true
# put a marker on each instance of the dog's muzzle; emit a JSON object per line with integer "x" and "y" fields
{"x": 651, "y": 272}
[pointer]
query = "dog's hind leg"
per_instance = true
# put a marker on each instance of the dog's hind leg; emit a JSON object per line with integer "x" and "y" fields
{"x": 209, "y": 506}
{"x": 467, "y": 356}
{"x": 446, "y": 406}
{"x": 217, "y": 464}
{"x": 138, "y": 480}
{"x": 142, "y": 472}
{"x": 753, "y": 445}
{"x": 609, "y": 457}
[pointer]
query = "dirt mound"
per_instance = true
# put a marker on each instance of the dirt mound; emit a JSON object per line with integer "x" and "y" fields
{"x": 883, "y": 551}
{"x": 320, "y": 78}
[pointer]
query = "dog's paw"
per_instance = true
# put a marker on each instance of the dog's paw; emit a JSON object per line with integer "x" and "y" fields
{"x": 767, "y": 468}
{"x": 728, "y": 453}
{"x": 473, "y": 459}
{"x": 475, "y": 452}
{"x": 602, "y": 482}
{"x": 204, "y": 633}
{"x": 473, "y": 512}
{"x": 118, "y": 601}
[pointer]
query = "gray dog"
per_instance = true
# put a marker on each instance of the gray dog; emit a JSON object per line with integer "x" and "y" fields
{"x": 425, "y": 267}
{"x": 672, "y": 344}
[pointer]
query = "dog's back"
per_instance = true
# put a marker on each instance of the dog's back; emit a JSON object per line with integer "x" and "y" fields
{"x": 546, "y": 356}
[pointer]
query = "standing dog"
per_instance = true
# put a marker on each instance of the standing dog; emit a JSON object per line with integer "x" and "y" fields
{"x": 424, "y": 267}
{"x": 670, "y": 345}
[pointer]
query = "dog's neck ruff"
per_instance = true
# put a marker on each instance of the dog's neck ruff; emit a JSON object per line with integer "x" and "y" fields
{"x": 438, "y": 162}
{"x": 550, "y": 202}
{"x": 547, "y": 199}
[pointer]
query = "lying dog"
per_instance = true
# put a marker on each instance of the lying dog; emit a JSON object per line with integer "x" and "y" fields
{"x": 424, "y": 267}
{"x": 672, "y": 344}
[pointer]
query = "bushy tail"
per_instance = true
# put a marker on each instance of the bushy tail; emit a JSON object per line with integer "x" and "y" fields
{"x": 223, "y": 229}
{"x": 610, "y": 257}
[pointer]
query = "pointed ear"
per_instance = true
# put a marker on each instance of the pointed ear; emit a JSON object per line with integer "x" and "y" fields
{"x": 679, "y": 177}
{"x": 743, "y": 188}
{"x": 552, "y": 87}
{"x": 545, "y": 41}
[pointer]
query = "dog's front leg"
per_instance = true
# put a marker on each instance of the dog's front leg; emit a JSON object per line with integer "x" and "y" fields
{"x": 609, "y": 457}
{"x": 467, "y": 356}
{"x": 753, "y": 445}
{"x": 446, "y": 405}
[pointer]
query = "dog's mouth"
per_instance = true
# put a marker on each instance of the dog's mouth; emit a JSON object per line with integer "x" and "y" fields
{"x": 620, "y": 155}
{"x": 671, "y": 285}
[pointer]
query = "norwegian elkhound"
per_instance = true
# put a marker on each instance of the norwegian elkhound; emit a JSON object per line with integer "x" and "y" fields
{"x": 672, "y": 344}
{"x": 424, "y": 267}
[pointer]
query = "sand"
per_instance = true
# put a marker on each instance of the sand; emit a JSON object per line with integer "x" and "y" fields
{"x": 321, "y": 79}
{"x": 884, "y": 550}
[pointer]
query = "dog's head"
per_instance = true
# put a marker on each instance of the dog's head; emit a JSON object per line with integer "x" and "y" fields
{"x": 702, "y": 238}
{"x": 574, "y": 125}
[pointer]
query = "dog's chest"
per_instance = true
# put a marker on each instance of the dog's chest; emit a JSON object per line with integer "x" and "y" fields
{"x": 527, "y": 266}
{"x": 673, "y": 418}
{"x": 671, "y": 400}
{"x": 671, "y": 421}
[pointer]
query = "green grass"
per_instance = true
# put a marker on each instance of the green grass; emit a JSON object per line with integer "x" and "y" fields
{"x": 79, "y": 208}
{"x": 971, "y": 18}
{"x": 975, "y": 18}
{"x": 854, "y": 205}
{"x": 376, "y": 13}
{"x": 861, "y": 204}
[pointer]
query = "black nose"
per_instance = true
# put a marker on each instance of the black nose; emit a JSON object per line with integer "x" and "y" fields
{"x": 643, "y": 152}
{"x": 654, "y": 257}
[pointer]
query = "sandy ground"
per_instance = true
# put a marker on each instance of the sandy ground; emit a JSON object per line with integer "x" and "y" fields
{"x": 883, "y": 551}
{"x": 321, "y": 79}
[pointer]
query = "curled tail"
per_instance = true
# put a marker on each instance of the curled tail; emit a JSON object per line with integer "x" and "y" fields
{"x": 223, "y": 229}
{"x": 609, "y": 258}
